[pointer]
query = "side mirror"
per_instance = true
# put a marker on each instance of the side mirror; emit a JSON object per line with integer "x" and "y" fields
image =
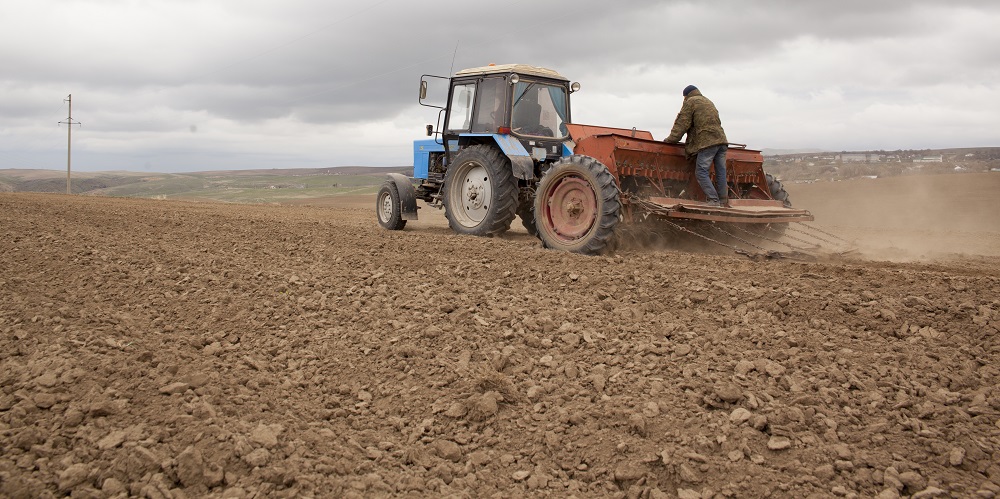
{"x": 430, "y": 130}
{"x": 423, "y": 89}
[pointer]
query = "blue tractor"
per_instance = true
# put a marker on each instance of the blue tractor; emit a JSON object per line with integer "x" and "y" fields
{"x": 503, "y": 125}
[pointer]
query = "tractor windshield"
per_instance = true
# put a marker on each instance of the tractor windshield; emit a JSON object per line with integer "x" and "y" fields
{"x": 540, "y": 110}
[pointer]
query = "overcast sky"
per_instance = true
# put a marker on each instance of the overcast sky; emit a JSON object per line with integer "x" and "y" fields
{"x": 187, "y": 85}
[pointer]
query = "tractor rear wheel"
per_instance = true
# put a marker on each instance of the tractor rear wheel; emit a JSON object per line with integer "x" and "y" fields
{"x": 388, "y": 208}
{"x": 480, "y": 192}
{"x": 577, "y": 206}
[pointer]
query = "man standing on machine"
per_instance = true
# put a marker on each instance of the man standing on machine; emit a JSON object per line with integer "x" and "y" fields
{"x": 706, "y": 139}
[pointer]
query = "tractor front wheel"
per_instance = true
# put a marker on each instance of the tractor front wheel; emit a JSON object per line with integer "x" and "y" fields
{"x": 480, "y": 192}
{"x": 577, "y": 206}
{"x": 388, "y": 208}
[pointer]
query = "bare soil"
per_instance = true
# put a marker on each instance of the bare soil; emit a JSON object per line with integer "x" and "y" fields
{"x": 170, "y": 349}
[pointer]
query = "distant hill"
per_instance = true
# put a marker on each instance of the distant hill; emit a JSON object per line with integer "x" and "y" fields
{"x": 335, "y": 170}
{"x": 253, "y": 186}
{"x": 17, "y": 180}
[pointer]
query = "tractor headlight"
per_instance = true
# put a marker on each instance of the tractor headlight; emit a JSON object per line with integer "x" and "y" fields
{"x": 574, "y": 87}
{"x": 514, "y": 78}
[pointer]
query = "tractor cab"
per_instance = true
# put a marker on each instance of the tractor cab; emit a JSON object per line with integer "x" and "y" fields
{"x": 522, "y": 110}
{"x": 529, "y": 106}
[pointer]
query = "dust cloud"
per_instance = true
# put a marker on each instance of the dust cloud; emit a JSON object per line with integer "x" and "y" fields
{"x": 913, "y": 218}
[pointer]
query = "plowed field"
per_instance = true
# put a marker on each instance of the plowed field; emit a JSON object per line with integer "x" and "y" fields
{"x": 170, "y": 349}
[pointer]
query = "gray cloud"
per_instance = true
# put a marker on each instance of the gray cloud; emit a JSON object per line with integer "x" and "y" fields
{"x": 267, "y": 84}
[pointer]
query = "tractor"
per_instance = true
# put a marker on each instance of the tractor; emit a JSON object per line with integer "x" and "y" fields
{"x": 505, "y": 146}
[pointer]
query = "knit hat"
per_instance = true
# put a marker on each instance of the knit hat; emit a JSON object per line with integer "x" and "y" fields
{"x": 688, "y": 89}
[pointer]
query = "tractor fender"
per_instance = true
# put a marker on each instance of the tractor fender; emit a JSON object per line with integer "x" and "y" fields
{"x": 521, "y": 162}
{"x": 407, "y": 196}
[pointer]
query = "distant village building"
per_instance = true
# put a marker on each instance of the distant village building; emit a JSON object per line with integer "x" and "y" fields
{"x": 859, "y": 157}
{"x": 929, "y": 159}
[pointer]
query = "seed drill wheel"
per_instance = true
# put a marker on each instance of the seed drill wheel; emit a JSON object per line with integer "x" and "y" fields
{"x": 388, "y": 208}
{"x": 577, "y": 206}
{"x": 778, "y": 193}
{"x": 480, "y": 192}
{"x": 777, "y": 190}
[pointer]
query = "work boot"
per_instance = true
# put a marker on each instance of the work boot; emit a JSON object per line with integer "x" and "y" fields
{"x": 713, "y": 203}
{"x": 724, "y": 202}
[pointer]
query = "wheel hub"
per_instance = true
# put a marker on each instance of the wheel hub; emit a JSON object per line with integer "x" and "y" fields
{"x": 476, "y": 193}
{"x": 385, "y": 213}
{"x": 572, "y": 207}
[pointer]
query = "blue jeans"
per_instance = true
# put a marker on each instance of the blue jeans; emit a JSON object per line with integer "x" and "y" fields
{"x": 706, "y": 157}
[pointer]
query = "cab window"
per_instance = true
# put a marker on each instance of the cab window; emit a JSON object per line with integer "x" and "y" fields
{"x": 540, "y": 110}
{"x": 490, "y": 113}
{"x": 460, "y": 114}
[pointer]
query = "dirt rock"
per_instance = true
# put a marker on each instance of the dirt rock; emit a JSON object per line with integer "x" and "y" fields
{"x": 175, "y": 387}
{"x": 740, "y": 416}
{"x": 957, "y": 456}
{"x": 190, "y": 467}
{"x": 482, "y": 407}
{"x": 890, "y": 493}
{"x": 446, "y": 449}
{"x": 625, "y": 472}
{"x": 824, "y": 471}
{"x": 266, "y": 435}
{"x": 73, "y": 476}
{"x": 257, "y": 457}
{"x": 688, "y": 494}
{"x": 913, "y": 481}
{"x": 728, "y": 392}
{"x": 113, "y": 487}
{"x": 929, "y": 492}
{"x": 779, "y": 443}
{"x": 112, "y": 440}
{"x": 743, "y": 367}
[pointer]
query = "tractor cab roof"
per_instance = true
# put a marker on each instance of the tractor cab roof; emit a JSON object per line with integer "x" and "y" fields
{"x": 521, "y": 69}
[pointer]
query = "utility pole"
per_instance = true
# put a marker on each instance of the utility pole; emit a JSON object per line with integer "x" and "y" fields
{"x": 69, "y": 138}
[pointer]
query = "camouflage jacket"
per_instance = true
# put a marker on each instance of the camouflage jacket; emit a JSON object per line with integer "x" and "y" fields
{"x": 699, "y": 119}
